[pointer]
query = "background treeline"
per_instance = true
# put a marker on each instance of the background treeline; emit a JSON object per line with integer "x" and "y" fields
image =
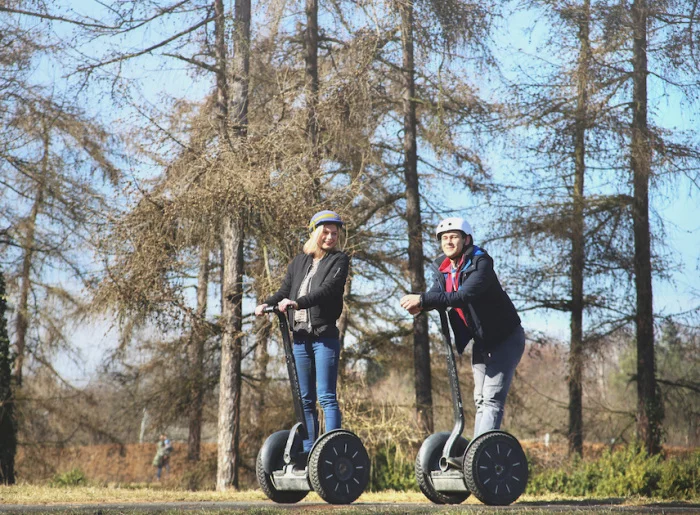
{"x": 160, "y": 160}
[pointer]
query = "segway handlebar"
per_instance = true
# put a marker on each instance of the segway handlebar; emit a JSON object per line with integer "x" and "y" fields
{"x": 271, "y": 309}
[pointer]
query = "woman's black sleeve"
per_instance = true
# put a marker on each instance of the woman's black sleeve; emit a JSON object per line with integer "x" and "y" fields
{"x": 285, "y": 289}
{"x": 332, "y": 286}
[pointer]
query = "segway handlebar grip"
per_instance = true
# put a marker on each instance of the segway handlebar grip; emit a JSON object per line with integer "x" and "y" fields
{"x": 270, "y": 309}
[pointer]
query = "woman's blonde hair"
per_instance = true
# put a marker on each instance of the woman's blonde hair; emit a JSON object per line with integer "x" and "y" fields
{"x": 312, "y": 245}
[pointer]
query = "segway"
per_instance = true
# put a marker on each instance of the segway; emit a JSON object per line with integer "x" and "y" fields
{"x": 449, "y": 467}
{"x": 337, "y": 467}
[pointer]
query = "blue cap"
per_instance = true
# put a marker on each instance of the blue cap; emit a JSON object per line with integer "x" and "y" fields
{"x": 324, "y": 217}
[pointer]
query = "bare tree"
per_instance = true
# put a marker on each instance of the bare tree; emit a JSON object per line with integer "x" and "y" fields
{"x": 232, "y": 242}
{"x": 44, "y": 174}
{"x": 421, "y": 341}
{"x": 576, "y": 357}
{"x": 311, "y": 93}
{"x": 649, "y": 409}
{"x": 197, "y": 343}
{"x": 8, "y": 424}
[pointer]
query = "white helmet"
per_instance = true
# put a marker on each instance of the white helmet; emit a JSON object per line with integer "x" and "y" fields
{"x": 453, "y": 224}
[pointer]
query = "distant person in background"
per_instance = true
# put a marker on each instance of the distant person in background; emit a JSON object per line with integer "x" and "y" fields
{"x": 162, "y": 458}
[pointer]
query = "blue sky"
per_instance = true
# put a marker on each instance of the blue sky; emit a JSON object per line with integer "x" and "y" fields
{"x": 680, "y": 210}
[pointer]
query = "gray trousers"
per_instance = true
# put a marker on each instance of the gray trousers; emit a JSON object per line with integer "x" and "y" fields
{"x": 492, "y": 380}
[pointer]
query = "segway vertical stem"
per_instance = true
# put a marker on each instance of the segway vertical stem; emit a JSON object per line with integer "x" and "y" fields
{"x": 300, "y": 426}
{"x": 457, "y": 407}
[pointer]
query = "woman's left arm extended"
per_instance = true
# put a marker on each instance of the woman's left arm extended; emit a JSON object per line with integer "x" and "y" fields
{"x": 332, "y": 286}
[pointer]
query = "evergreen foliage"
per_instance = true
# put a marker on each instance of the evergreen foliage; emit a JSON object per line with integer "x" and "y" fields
{"x": 623, "y": 472}
{"x": 73, "y": 477}
{"x": 391, "y": 470}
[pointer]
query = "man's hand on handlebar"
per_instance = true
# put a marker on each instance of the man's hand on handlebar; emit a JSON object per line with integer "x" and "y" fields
{"x": 260, "y": 310}
{"x": 411, "y": 303}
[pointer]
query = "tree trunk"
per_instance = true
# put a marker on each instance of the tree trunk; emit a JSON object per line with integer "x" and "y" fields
{"x": 197, "y": 343}
{"x": 8, "y": 426}
{"x": 343, "y": 323}
{"x": 421, "y": 343}
{"x": 262, "y": 358}
{"x": 649, "y": 409}
{"x": 229, "y": 427}
{"x": 311, "y": 79}
{"x": 240, "y": 68}
{"x": 575, "y": 434}
{"x": 28, "y": 242}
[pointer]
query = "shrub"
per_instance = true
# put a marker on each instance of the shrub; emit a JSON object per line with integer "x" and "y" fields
{"x": 627, "y": 471}
{"x": 74, "y": 477}
{"x": 391, "y": 470}
{"x": 680, "y": 478}
{"x": 200, "y": 475}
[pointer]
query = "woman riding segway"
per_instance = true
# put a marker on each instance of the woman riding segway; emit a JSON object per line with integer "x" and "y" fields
{"x": 312, "y": 295}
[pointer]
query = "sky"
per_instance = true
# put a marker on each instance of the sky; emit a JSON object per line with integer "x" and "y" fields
{"x": 680, "y": 210}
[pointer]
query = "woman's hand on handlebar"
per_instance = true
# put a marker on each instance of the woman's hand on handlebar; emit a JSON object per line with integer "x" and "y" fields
{"x": 259, "y": 310}
{"x": 285, "y": 304}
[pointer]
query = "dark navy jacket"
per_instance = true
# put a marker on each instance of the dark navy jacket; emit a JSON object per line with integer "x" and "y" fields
{"x": 490, "y": 314}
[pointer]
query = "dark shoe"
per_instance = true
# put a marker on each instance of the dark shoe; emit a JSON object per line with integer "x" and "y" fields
{"x": 302, "y": 458}
{"x": 300, "y": 462}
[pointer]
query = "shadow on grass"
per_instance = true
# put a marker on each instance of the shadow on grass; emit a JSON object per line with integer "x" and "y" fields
{"x": 611, "y": 501}
{"x": 674, "y": 504}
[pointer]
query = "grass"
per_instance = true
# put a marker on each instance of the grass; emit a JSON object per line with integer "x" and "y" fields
{"x": 29, "y": 494}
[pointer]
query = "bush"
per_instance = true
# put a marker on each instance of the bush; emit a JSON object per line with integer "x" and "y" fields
{"x": 74, "y": 477}
{"x": 680, "y": 478}
{"x": 391, "y": 470}
{"x": 200, "y": 475}
{"x": 625, "y": 472}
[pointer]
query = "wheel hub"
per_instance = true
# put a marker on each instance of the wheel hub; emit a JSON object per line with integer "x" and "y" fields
{"x": 339, "y": 467}
{"x": 344, "y": 468}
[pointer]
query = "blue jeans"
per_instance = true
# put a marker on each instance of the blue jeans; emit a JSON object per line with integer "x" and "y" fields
{"x": 492, "y": 381}
{"x": 317, "y": 367}
{"x": 165, "y": 464}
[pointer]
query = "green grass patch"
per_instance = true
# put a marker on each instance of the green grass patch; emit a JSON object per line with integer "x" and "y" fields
{"x": 74, "y": 477}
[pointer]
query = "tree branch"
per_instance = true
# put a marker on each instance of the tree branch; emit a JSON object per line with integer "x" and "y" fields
{"x": 146, "y": 50}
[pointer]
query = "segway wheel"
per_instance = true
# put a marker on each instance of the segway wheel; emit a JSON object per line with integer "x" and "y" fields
{"x": 339, "y": 467}
{"x": 266, "y": 481}
{"x": 431, "y": 452}
{"x": 495, "y": 468}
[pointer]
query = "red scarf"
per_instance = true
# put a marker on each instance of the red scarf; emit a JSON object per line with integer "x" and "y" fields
{"x": 452, "y": 280}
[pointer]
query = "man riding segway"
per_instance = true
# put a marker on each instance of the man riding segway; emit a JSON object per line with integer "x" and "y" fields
{"x": 479, "y": 309}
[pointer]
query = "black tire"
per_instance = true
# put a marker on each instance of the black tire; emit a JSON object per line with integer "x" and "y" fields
{"x": 339, "y": 467}
{"x": 432, "y": 450}
{"x": 495, "y": 468}
{"x": 266, "y": 483}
